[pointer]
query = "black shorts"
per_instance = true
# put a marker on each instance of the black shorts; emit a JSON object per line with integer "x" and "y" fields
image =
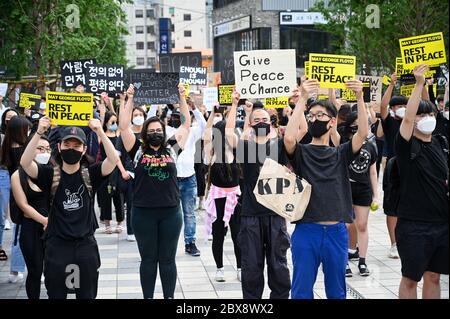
{"x": 422, "y": 247}
{"x": 361, "y": 194}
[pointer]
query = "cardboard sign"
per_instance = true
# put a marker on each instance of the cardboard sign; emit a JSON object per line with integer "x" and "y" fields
{"x": 105, "y": 78}
{"x": 332, "y": 71}
{"x": 69, "y": 108}
{"x": 73, "y": 72}
{"x": 3, "y": 89}
{"x": 265, "y": 73}
{"x": 193, "y": 75}
{"x": 423, "y": 49}
{"x": 225, "y": 92}
{"x": 350, "y": 96}
{"x": 153, "y": 88}
{"x": 172, "y": 62}
{"x": 210, "y": 97}
{"x": 276, "y": 102}
{"x": 376, "y": 86}
{"x": 28, "y": 100}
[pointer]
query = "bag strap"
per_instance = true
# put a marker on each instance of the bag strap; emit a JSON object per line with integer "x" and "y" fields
{"x": 57, "y": 178}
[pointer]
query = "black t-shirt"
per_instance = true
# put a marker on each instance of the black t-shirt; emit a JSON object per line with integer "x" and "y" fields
{"x": 37, "y": 200}
{"x": 423, "y": 181}
{"x": 252, "y": 156}
{"x": 155, "y": 183}
{"x": 72, "y": 214}
{"x": 113, "y": 140}
{"x": 326, "y": 169}
{"x": 391, "y": 127}
{"x": 359, "y": 168}
{"x": 225, "y": 175}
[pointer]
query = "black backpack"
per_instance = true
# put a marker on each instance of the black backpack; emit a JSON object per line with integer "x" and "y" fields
{"x": 391, "y": 176}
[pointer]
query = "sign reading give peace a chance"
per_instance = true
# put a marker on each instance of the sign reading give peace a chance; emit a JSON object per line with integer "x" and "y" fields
{"x": 265, "y": 73}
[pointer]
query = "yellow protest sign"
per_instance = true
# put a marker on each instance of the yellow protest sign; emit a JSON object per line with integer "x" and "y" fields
{"x": 332, "y": 71}
{"x": 69, "y": 108}
{"x": 224, "y": 92}
{"x": 27, "y": 100}
{"x": 386, "y": 80}
{"x": 400, "y": 69}
{"x": 406, "y": 90}
{"x": 423, "y": 49}
{"x": 350, "y": 96}
{"x": 186, "y": 88}
{"x": 276, "y": 102}
{"x": 307, "y": 69}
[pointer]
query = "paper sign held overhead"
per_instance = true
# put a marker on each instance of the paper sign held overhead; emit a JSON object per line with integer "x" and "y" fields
{"x": 69, "y": 108}
{"x": 265, "y": 73}
{"x": 193, "y": 75}
{"x": 210, "y": 97}
{"x": 28, "y": 100}
{"x": 276, "y": 102}
{"x": 73, "y": 72}
{"x": 224, "y": 94}
{"x": 105, "y": 78}
{"x": 423, "y": 49}
{"x": 332, "y": 71}
{"x": 3, "y": 89}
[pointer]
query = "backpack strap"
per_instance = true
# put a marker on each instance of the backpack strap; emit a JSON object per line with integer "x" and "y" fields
{"x": 87, "y": 181}
{"x": 443, "y": 142}
{"x": 57, "y": 177}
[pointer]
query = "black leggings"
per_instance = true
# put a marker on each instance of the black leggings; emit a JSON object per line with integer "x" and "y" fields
{"x": 104, "y": 202}
{"x": 219, "y": 231}
{"x": 32, "y": 247}
{"x": 157, "y": 231}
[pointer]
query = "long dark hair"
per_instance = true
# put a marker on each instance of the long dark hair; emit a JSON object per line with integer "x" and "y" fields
{"x": 16, "y": 132}
{"x": 3, "y": 124}
{"x": 108, "y": 116}
{"x": 219, "y": 148}
{"x": 145, "y": 145}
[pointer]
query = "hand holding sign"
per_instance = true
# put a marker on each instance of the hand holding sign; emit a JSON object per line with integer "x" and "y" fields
{"x": 95, "y": 125}
{"x": 309, "y": 87}
{"x": 357, "y": 87}
{"x": 130, "y": 91}
{"x": 182, "y": 91}
{"x": 44, "y": 124}
{"x": 235, "y": 97}
{"x": 394, "y": 78}
{"x": 419, "y": 73}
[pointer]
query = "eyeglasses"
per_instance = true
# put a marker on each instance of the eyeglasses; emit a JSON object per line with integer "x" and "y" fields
{"x": 319, "y": 116}
{"x": 44, "y": 149}
{"x": 158, "y": 130}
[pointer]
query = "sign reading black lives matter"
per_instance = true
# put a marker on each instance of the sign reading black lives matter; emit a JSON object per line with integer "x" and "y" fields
{"x": 265, "y": 73}
{"x": 172, "y": 62}
{"x": 153, "y": 88}
{"x": 73, "y": 72}
{"x": 193, "y": 75}
{"x": 105, "y": 78}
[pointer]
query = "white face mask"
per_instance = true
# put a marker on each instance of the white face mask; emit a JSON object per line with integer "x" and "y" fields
{"x": 392, "y": 113}
{"x": 401, "y": 112}
{"x": 138, "y": 120}
{"x": 446, "y": 114}
{"x": 427, "y": 125}
{"x": 217, "y": 119}
{"x": 42, "y": 106}
{"x": 42, "y": 158}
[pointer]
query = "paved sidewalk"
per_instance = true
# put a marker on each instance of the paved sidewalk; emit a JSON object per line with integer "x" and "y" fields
{"x": 119, "y": 273}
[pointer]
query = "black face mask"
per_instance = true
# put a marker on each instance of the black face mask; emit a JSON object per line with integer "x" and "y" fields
{"x": 155, "y": 139}
{"x": 274, "y": 120}
{"x": 175, "y": 122}
{"x": 261, "y": 129}
{"x": 318, "y": 128}
{"x": 292, "y": 105}
{"x": 71, "y": 156}
{"x": 353, "y": 129}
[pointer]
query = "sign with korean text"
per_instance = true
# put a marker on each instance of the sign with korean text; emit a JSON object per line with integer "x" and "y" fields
{"x": 28, "y": 100}
{"x": 105, "y": 78}
{"x": 224, "y": 94}
{"x": 73, "y": 73}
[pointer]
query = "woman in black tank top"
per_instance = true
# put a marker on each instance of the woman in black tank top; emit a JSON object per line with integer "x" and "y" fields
{"x": 34, "y": 204}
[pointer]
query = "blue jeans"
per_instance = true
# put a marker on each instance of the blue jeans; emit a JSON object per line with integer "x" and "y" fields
{"x": 17, "y": 261}
{"x": 313, "y": 244}
{"x": 188, "y": 193}
{"x": 5, "y": 189}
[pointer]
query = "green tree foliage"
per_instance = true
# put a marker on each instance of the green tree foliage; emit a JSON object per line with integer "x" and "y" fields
{"x": 377, "y": 48}
{"x": 36, "y": 34}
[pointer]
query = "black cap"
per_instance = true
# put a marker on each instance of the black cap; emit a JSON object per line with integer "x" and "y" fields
{"x": 258, "y": 105}
{"x": 73, "y": 132}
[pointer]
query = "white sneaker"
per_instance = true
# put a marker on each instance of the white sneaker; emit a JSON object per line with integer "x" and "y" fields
{"x": 238, "y": 274}
{"x": 7, "y": 224}
{"x": 15, "y": 278}
{"x": 220, "y": 276}
{"x": 131, "y": 238}
{"x": 393, "y": 252}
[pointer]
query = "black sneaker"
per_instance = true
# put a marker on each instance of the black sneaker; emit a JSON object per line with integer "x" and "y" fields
{"x": 354, "y": 256}
{"x": 363, "y": 270}
{"x": 348, "y": 272}
{"x": 192, "y": 250}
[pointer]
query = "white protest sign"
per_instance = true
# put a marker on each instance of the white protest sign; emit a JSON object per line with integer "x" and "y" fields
{"x": 376, "y": 85}
{"x": 3, "y": 89}
{"x": 265, "y": 73}
{"x": 210, "y": 97}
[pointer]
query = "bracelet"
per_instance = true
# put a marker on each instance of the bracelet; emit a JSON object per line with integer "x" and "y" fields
{"x": 40, "y": 134}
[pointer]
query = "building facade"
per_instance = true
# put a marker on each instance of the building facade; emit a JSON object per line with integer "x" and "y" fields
{"x": 243, "y": 25}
